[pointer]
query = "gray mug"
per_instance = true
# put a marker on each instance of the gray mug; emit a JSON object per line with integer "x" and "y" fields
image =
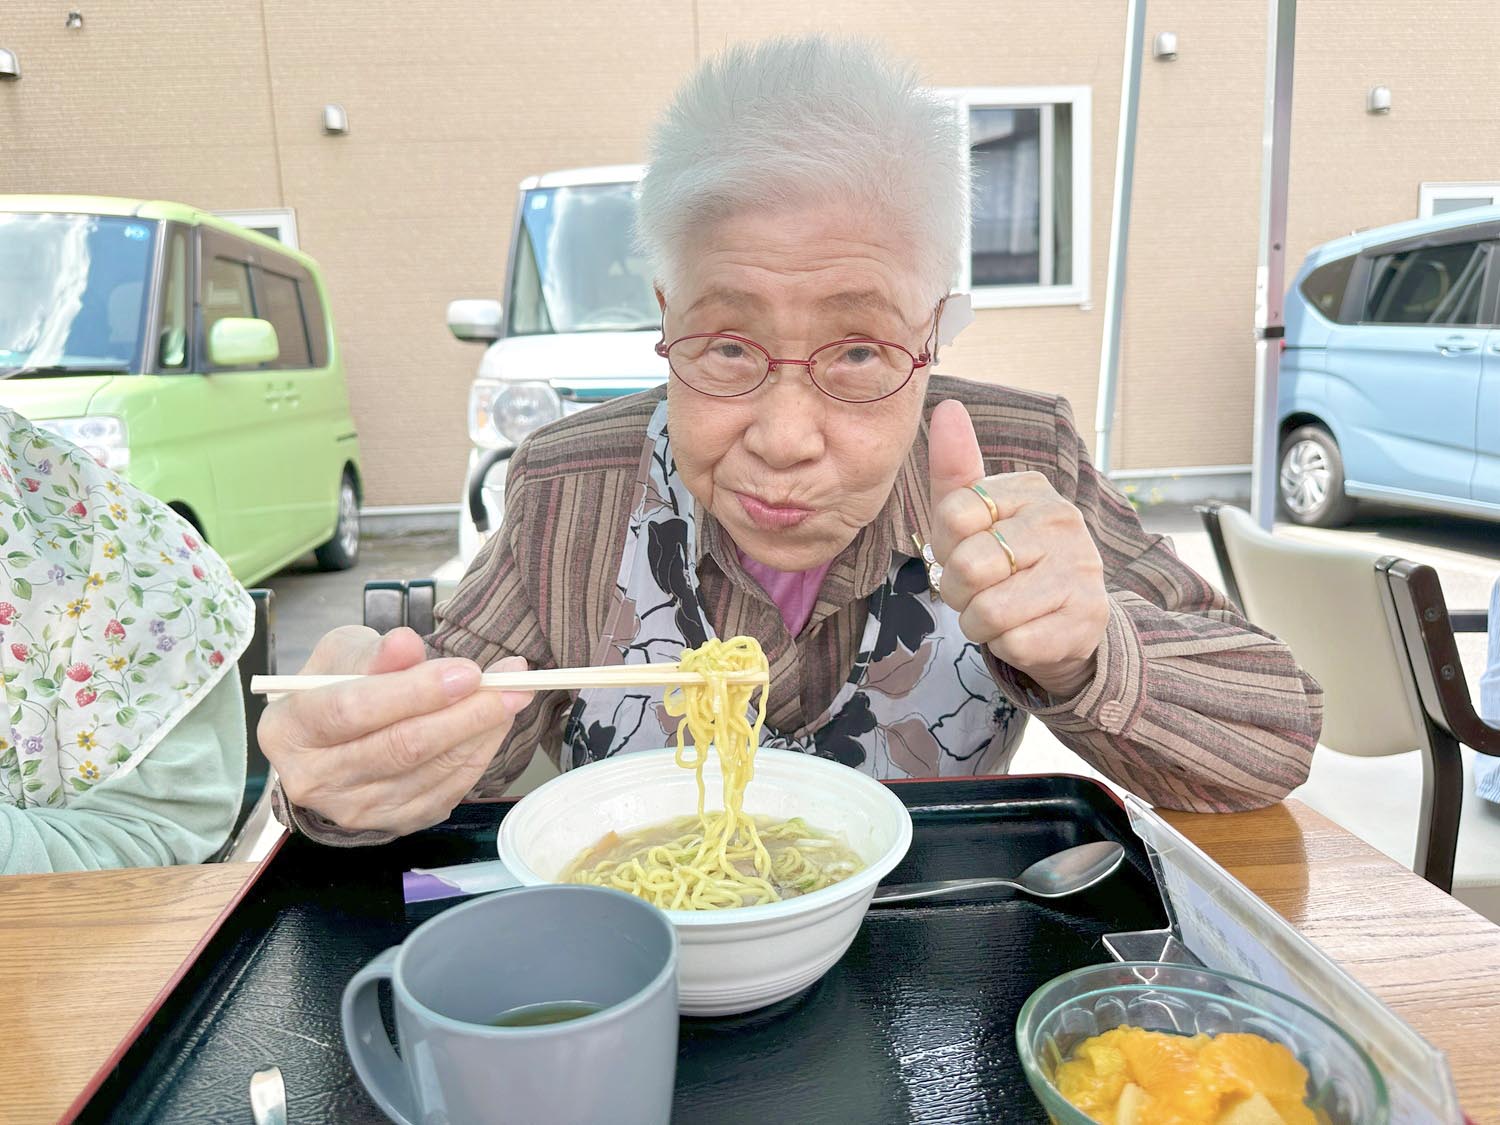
{"x": 533, "y": 946}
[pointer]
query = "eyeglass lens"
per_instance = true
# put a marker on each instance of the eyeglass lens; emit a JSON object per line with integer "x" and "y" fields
{"x": 857, "y": 370}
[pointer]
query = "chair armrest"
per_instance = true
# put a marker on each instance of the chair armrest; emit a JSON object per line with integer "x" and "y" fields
{"x": 1417, "y": 597}
{"x": 1470, "y": 620}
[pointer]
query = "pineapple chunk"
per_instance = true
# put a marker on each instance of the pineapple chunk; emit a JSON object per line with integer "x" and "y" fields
{"x": 1133, "y": 1103}
{"x": 1254, "y": 1110}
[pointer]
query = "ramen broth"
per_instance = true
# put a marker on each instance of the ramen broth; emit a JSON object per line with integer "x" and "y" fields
{"x": 829, "y": 856}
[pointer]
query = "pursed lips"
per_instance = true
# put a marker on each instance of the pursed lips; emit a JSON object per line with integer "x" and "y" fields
{"x": 772, "y": 515}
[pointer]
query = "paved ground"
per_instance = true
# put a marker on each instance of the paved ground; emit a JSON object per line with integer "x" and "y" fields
{"x": 309, "y": 602}
{"x": 1466, "y": 554}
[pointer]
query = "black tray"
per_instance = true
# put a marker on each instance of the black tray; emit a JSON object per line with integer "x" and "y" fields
{"x": 915, "y": 1023}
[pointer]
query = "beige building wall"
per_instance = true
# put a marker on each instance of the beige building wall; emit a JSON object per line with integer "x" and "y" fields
{"x": 218, "y": 105}
{"x": 1351, "y": 169}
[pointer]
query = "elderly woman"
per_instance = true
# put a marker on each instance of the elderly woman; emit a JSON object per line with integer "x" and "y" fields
{"x": 119, "y": 631}
{"x": 926, "y": 561}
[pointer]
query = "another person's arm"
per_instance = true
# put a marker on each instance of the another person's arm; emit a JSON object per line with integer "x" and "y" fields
{"x": 177, "y": 806}
{"x": 1486, "y": 768}
{"x": 1182, "y": 701}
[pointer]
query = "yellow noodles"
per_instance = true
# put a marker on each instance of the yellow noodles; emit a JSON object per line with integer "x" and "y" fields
{"x": 717, "y": 859}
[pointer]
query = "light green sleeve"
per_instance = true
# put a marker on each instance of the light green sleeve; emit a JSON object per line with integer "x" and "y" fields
{"x": 176, "y": 806}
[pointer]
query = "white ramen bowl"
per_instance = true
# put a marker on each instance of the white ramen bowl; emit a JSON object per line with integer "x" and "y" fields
{"x": 737, "y": 959}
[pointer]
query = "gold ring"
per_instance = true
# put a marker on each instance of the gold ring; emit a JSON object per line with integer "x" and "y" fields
{"x": 1010, "y": 555}
{"x": 989, "y": 501}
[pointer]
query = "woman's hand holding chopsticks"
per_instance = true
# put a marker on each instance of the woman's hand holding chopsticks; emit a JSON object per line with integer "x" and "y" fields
{"x": 660, "y": 675}
{"x": 395, "y": 749}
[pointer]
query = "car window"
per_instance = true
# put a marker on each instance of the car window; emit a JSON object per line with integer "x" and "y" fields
{"x": 73, "y": 291}
{"x": 176, "y": 307}
{"x": 312, "y": 315}
{"x": 276, "y": 300}
{"x": 225, "y": 290}
{"x": 1324, "y": 287}
{"x": 1428, "y": 285}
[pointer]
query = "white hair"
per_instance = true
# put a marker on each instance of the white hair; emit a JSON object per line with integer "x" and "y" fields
{"x": 811, "y": 119}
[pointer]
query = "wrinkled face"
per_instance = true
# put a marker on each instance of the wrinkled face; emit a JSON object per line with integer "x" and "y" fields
{"x": 791, "y": 473}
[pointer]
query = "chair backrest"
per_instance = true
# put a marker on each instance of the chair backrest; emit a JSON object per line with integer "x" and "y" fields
{"x": 1421, "y": 621}
{"x": 1326, "y": 602}
{"x": 258, "y": 659}
{"x": 390, "y": 604}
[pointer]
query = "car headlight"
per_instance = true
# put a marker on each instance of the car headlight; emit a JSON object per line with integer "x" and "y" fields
{"x": 103, "y": 438}
{"x": 500, "y": 416}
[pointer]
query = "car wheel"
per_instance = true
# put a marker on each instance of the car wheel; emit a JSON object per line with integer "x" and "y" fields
{"x": 342, "y": 551}
{"x": 1310, "y": 475}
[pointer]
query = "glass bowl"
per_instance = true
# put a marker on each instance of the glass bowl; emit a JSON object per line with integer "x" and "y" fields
{"x": 1343, "y": 1084}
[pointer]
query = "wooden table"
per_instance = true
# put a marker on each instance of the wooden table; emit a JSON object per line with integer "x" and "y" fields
{"x": 82, "y": 956}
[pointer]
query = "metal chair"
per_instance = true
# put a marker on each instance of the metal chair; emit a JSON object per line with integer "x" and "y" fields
{"x": 1375, "y": 632}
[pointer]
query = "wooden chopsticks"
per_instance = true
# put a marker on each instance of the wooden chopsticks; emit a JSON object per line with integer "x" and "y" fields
{"x": 546, "y": 679}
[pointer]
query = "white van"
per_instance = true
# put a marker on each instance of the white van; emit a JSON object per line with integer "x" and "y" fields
{"x": 578, "y": 326}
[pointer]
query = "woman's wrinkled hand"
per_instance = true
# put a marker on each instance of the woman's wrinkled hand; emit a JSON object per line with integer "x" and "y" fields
{"x": 393, "y": 752}
{"x": 1046, "y": 616}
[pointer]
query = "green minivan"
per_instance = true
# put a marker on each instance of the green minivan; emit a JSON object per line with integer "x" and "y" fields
{"x": 192, "y": 355}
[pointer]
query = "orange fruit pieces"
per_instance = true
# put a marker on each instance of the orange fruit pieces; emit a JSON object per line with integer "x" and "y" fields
{"x": 1131, "y": 1076}
{"x": 1166, "y": 1067}
{"x": 1094, "y": 1078}
{"x": 1250, "y": 1064}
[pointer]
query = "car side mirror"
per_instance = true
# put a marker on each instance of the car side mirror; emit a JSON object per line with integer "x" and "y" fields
{"x": 476, "y": 320}
{"x": 242, "y": 341}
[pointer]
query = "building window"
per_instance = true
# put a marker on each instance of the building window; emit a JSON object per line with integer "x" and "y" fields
{"x": 278, "y": 223}
{"x": 1028, "y": 149}
{"x": 1440, "y": 199}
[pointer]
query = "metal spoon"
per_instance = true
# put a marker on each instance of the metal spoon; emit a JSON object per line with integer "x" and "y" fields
{"x": 268, "y": 1097}
{"x": 1063, "y": 873}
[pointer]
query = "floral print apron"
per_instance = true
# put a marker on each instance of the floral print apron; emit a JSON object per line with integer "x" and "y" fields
{"x": 114, "y": 619}
{"x": 919, "y": 700}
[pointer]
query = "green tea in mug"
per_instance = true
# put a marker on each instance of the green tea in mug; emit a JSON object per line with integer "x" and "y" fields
{"x": 553, "y": 1011}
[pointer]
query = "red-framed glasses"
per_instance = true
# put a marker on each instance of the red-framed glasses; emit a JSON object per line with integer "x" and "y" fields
{"x": 857, "y": 369}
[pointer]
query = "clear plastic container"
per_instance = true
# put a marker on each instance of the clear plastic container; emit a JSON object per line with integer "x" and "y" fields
{"x": 1344, "y": 1087}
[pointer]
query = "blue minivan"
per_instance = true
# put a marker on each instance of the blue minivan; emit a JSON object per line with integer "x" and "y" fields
{"x": 1390, "y": 374}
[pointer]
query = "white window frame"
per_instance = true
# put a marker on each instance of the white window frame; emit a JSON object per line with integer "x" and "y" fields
{"x": 1430, "y": 193}
{"x": 1038, "y": 97}
{"x": 283, "y": 219}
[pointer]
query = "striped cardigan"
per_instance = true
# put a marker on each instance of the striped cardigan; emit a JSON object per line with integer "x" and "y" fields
{"x": 1191, "y": 706}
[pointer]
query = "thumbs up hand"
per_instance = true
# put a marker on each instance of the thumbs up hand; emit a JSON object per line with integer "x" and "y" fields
{"x": 1043, "y": 612}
